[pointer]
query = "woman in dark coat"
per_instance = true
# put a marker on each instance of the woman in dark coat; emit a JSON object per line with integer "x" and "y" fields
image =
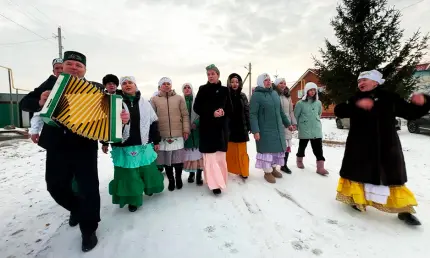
{"x": 237, "y": 155}
{"x": 213, "y": 105}
{"x": 373, "y": 170}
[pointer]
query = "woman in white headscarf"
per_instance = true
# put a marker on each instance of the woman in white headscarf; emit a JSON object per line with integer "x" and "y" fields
{"x": 174, "y": 125}
{"x": 287, "y": 107}
{"x": 193, "y": 162}
{"x": 308, "y": 114}
{"x": 373, "y": 169}
{"x": 268, "y": 120}
{"x": 134, "y": 159}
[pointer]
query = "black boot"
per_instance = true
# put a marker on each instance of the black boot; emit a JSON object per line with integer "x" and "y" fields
{"x": 285, "y": 167}
{"x": 216, "y": 191}
{"x": 89, "y": 242}
{"x": 169, "y": 174}
{"x": 355, "y": 208}
{"x": 132, "y": 208}
{"x": 73, "y": 220}
{"x": 409, "y": 219}
{"x": 199, "y": 180}
{"x": 191, "y": 177}
{"x": 178, "y": 175}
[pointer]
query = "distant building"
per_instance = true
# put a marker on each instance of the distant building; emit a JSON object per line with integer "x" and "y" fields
{"x": 10, "y": 114}
{"x": 297, "y": 90}
{"x": 423, "y": 75}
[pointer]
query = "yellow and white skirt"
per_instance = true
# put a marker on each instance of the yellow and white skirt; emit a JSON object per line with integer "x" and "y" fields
{"x": 399, "y": 199}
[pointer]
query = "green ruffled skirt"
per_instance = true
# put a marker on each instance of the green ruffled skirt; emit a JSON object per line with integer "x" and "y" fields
{"x": 135, "y": 174}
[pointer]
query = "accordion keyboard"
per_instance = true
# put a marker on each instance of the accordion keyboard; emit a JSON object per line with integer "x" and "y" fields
{"x": 84, "y": 109}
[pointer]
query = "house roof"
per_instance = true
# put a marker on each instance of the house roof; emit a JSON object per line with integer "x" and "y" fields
{"x": 310, "y": 70}
{"x": 423, "y": 67}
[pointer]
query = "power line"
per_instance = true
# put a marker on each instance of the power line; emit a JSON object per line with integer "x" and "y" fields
{"x": 21, "y": 42}
{"x": 27, "y": 29}
{"x": 411, "y": 5}
{"x": 37, "y": 9}
{"x": 18, "y": 7}
{"x": 42, "y": 13}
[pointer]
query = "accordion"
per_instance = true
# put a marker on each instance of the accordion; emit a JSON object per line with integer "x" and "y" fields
{"x": 84, "y": 108}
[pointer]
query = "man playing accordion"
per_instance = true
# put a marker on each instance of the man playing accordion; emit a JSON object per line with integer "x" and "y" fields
{"x": 69, "y": 155}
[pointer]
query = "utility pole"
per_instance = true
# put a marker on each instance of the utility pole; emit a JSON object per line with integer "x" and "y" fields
{"x": 60, "y": 42}
{"x": 249, "y": 74}
{"x": 250, "y": 81}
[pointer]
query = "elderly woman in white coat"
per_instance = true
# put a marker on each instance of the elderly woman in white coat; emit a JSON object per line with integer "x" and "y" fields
{"x": 287, "y": 107}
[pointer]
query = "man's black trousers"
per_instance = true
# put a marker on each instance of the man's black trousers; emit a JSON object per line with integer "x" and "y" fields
{"x": 61, "y": 166}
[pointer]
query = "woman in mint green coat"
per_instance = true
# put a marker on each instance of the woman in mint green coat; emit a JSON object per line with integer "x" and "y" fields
{"x": 308, "y": 115}
{"x": 268, "y": 121}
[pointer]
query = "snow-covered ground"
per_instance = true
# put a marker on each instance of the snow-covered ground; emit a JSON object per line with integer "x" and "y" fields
{"x": 296, "y": 217}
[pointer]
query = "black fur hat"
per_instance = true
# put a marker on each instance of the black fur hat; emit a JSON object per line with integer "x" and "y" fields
{"x": 110, "y": 78}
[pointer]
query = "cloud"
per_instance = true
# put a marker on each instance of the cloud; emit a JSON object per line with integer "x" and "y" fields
{"x": 154, "y": 38}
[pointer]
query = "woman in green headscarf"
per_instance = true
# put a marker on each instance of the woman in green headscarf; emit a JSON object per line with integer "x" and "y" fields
{"x": 193, "y": 162}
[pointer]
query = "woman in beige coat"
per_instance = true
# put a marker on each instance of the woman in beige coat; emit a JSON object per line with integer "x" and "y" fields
{"x": 287, "y": 106}
{"x": 174, "y": 126}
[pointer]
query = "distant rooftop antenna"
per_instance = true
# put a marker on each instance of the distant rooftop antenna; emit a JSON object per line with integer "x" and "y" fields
{"x": 276, "y": 75}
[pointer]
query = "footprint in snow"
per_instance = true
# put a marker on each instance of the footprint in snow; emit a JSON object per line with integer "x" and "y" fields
{"x": 299, "y": 245}
{"x": 332, "y": 221}
{"x": 210, "y": 229}
{"x": 317, "y": 251}
{"x": 229, "y": 245}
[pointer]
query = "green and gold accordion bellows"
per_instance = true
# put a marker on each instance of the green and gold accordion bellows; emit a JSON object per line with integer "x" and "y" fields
{"x": 84, "y": 108}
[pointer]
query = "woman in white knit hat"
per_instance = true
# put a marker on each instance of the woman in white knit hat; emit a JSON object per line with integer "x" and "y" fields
{"x": 373, "y": 169}
{"x": 287, "y": 106}
{"x": 174, "y": 125}
{"x": 308, "y": 114}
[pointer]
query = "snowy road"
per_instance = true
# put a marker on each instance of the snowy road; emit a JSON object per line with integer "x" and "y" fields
{"x": 296, "y": 217}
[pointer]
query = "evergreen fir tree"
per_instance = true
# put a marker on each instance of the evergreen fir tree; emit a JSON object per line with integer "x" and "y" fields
{"x": 369, "y": 37}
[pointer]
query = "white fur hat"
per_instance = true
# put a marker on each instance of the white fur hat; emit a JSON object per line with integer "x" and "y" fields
{"x": 279, "y": 80}
{"x": 261, "y": 78}
{"x": 309, "y": 86}
{"x": 373, "y": 75}
{"x": 127, "y": 78}
{"x": 189, "y": 84}
{"x": 163, "y": 80}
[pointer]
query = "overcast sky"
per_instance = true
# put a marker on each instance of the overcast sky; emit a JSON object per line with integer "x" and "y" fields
{"x": 154, "y": 38}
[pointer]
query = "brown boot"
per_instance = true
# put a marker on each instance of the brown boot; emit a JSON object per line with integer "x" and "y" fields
{"x": 299, "y": 162}
{"x": 276, "y": 173}
{"x": 320, "y": 168}
{"x": 269, "y": 178}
